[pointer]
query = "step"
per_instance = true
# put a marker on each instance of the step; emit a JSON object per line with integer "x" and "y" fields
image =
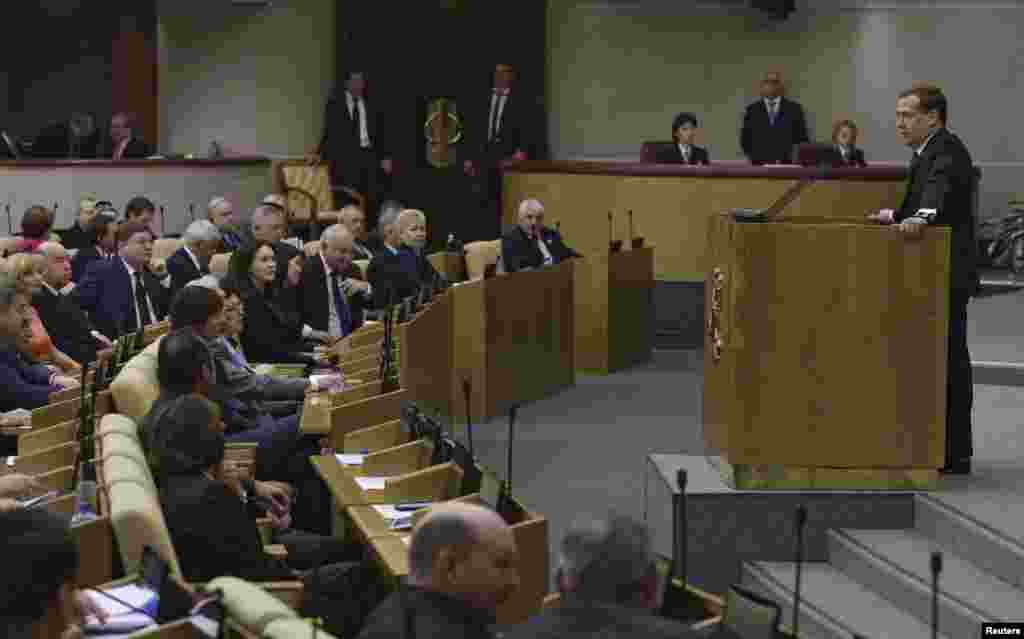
{"x": 984, "y": 546}
{"x": 833, "y": 606}
{"x": 896, "y": 565}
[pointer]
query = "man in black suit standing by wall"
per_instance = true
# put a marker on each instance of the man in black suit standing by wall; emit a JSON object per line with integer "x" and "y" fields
{"x": 354, "y": 143}
{"x": 773, "y": 125}
{"x": 684, "y": 151}
{"x": 940, "y": 192}
{"x": 530, "y": 244}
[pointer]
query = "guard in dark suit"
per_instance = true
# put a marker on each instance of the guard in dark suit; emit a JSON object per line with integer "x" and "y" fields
{"x": 530, "y": 244}
{"x": 354, "y": 142}
{"x": 684, "y": 151}
{"x": 331, "y": 295}
{"x": 773, "y": 125}
{"x": 119, "y": 293}
{"x": 941, "y": 192}
{"x": 123, "y": 145}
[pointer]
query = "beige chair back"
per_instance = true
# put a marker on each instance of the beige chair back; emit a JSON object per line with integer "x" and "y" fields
{"x": 292, "y": 629}
{"x": 136, "y": 387}
{"x": 315, "y": 180}
{"x": 219, "y": 264}
{"x": 480, "y": 255}
{"x": 164, "y": 247}
{"x": 250, "y": 605}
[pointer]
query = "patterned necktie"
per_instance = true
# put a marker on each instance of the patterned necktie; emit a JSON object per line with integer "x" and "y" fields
{"x": 236, "y": 357}
{"x": 145, "y": 318}
{"x": 773, "y": 112}
{"x": 344, "y": 315}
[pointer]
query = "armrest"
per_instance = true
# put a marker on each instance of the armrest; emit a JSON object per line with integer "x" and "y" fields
{"x": 277, "y": 551}
{"x": 707, "y": 623}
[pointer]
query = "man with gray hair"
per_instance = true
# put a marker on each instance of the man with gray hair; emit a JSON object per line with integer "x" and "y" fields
{"x": 269, "y": 224}
{"x": 463, "y": 565}
{"x": 332, "y": 294}
{"x": 385, "y": 239}
{"x": 192, "y": 261}
{"x": 404, "y": 273}
{"x": 221, "y": 212}
{"x": 354, "y": 220}
{"x": 608, "y": 585}
{"x": 69, "y": 327}
{"x": 530, "y": 244}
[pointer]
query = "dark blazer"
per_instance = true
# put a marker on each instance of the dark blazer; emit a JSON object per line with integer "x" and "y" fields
{"x": 673, "y": 155}
{"x": 105, "y": 292}
{"x": 764, "y": 143}
{"x": 375, "y": 243}
{"x": 182, "y": 270}
{"x": 574, "y": 618}
{"x": 22, "y": 384}
{"x": 283, "y": 253}
{"x": 340, "y": 140}
{"x": 55, "y": 142}
{"x": 272, "y": 331}
{"x": 362, "y": 251}
{"x": 514, "y": 132}
{"x": 403, "y": 274}
{"x": 854, "y": 158}
{"x": 435, "y": 616}
{"x": 81, "y": 261}
{"x": 313, "y": 298}
{"x": 518, "y": 251}
{"x": 212, "y": 532}
{"x": 67, "y": 324}
{"x": 135, "y": 150}
{"x": 942, "y": 179}
{"x": 75, "y": 237}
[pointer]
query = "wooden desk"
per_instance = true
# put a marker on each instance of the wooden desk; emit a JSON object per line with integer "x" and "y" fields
{"x": 672, "y": 204}
{"x": 171, "y": 184}
{"x": 435, "y": 483}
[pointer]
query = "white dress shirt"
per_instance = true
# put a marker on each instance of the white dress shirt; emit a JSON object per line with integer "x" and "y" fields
{"x": 149, "y": 302}
{"x": 498, "y": 101}
{"x": 195, "y": 260}
{"x": 686, "y": 150}
{"x": 928, "y": 215}
{"x": 364, "y": 134}
{"x": 545, "y": 252}
{"x": 773, "y": 105}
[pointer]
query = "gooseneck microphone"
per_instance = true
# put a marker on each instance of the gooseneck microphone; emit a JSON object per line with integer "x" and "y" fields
{"x": 801, "y": 522}
{"x": 936, "y": 569}
{"x": 467, "y": 389}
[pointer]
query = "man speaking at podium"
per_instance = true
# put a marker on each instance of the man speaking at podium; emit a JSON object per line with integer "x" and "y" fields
{"x": 530, "y": 244}
{"x": 940, "y": 192}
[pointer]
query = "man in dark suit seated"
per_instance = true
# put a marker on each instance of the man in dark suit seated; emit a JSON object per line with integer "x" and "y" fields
{"x": 530, "y": 244}
{"x": 23, "y": 384}
{"x": 270, "y": 225}
{"x": 396, "y": 276}
{"x": 120, "y": 294}
{"x": 192, "y": 261}
{"x": 773, "y": 125}
{"x": 101, "y": 235}
{"x": 69, "y": 327}
{"x": 77, "y": 137}
{"x": 463, "y": 565}
{"x": 332, "y": 295}
{"x": 940, "y": 193}
{"x": 608, "y": 585}
{"x": 77, "y": 236}
{"x": 354, "y": 220}
{"x": 385, "y": 238}
{"x": 684, "y": 151}
{"x": 221, "y": 212}
{"x": 123, "y": 144}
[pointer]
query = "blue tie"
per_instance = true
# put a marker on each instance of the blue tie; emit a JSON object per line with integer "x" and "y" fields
{"x": 236, "y": 357}
{"x": 344, "y": 315}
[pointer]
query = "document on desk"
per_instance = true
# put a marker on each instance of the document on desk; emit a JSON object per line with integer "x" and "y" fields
{"x": 372, "y": 483}
{"x": 122, "y": 620}
{"x": 350, "y": 460}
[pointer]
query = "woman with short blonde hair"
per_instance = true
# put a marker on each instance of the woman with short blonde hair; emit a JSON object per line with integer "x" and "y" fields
{"x": 24, "y": 273}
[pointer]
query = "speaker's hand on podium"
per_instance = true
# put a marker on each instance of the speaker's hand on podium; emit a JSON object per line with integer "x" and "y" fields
{"x": 884, "y": 216}
{"x": 913, "y": 227}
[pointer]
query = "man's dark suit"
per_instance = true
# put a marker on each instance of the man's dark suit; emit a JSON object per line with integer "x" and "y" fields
{"x": 361, "y": 251}
{"x": 136, "y": 149}
{"x": 396, "y": 276}
{"x": 766, "y": 143}
{"x": 519, "y": 251}
{"x": 67, "y": 324}
{"x": 183, "y": 270}
{"x": 313, "y": 297}
{"x": 75, "y": 237}
{"x": 674, "y": 155}
{"x": 55, "y": 142}
{"x": 350, "y": 164}
{"x": 434, "y": 616}
{"x": 106, "y": 294}
{"x": 573, "y": 617}
{"x": 942, "y": 178}
{"x": 283, "y": 253}
{"x": 81, "y": 261}
{"x": 22, "y": 384}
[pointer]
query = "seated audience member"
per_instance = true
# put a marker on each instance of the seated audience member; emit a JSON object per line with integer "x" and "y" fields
{"x": 608, "y": 585}
{"x": 530, "y": 244}
{"x": 123, "y": 143}
{"x": 23, "y": 384}
{"x": 120, "y": 294}
{"x": 844, "y": 137}
{"x": 463, "y": 565}
{"x": 192, "y": 261}
{"x": 354, "y": 219}
{"x": 269, "y": 225}
{"x": 27, "y": 272}
{"x": 101, "y": 242}
{"x": 69, "y": 327}
{"x": 221, "y": 212}
{"x": 35, "y": 228}
{"x": 397, "y": 276}
{"x": 385, "y": 238}
{"x": 142, "y": 210}
{"x": 77, "y": 235}
{"x": 332, "y": 295}
{"x": 38, "y": 595}
{"x": 273, "y": 330}
{"x": 684, "y": 151}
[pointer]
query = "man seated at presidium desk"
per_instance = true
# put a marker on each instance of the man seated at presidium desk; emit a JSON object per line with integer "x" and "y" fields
{"x": 530, "y": 244}
{"x": 684, "y": 151}
{"x": 940, "y": 193}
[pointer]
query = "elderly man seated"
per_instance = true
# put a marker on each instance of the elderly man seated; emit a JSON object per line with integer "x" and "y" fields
{"x": 530, "y": 244}
{"x": 222, "y": 214}
{"x": 332, "y": 295}
{"x": 192, "y": 261}
{"x": 401, "y": 275}
{"x": 69, "y": 327}
{"x": 385, "y": 238}
{"x": 354, "y": 219}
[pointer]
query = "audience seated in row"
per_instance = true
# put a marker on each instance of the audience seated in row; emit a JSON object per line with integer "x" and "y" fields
{"x": 401, "y": 274}
{"x": 221, "y": 213}
{"x": 100, "y": 242}
{"x": 25, "y": 272}
{"x": 332, "y": 295}
{"x": 70, "y": 329}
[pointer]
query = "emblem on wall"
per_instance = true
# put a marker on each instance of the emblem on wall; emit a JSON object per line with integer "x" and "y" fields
{"x": 443, "y": 129}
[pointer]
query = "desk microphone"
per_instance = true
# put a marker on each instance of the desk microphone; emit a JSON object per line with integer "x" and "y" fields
{"x": 508, "y": 453}
{"x": 192, "y": 211}
{"x": 801, "y": 522}
{"x": 163, "y": 224}
{"x": 630, "y": 215}
{"x": 611, "y": 234}
{"x": 467, "y": 389}
{"x": 936, "y": 569}
{"x": 10, "y": 224}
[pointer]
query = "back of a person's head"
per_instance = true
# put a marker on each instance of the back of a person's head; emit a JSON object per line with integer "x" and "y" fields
{"x": 36, "y": 222}
{"x": 181, "y": 359}
{"x": 193, "y": 306}
{"x": 186, "y": 441}
{"x": 607, "y": 559}
{"x": 137, "y": 206}
{"x": 39, "y": 559}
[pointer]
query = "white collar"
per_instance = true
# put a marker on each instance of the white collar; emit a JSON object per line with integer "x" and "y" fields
{"x": 131, "y": 271}
{"x": 920, "y": 149}
{"x": 195, "y": 260}
{"x": 393, "y": 250}
{"x": 685, "y": 148}
{"x": 773, "y": 101}
{"x": 51, "y": 289}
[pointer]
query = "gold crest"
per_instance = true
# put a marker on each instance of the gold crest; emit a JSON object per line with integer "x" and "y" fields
{"x": 442, "y": 129}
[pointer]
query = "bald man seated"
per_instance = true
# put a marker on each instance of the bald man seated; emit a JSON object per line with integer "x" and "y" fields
{"x": 68, "y": 325}
{"x": 332, "y": 294}
{"x": 463, "y": 564}
{"x": 530, "y": 244}
{"x": 608, "y": 585}
{"x": 404, "y": 273}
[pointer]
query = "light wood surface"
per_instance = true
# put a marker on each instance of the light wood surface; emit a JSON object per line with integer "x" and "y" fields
{"x": 95, "y": 541}
{"x": 372, "y": 438}
{"x": 43, "y": 461}
{"x": 59, "y": 479}
{"x": 426, "y": 354}
{"x": 42, "y": 438}
{"x": 834, "y": 347}
{"x": 60, "y": 412}
{"x": 434, "y": 483}
{"x": 398, "y": 459}
{"x": 450, "y": 265}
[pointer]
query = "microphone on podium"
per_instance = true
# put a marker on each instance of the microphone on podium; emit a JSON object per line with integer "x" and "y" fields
{"x": 10, "y": 224}
{"x": 801, "y": 522}
{"x": 192, "y": 211}
{"x": 936, "y": 569}
{"x": 163, "y": 224}
{"x": 630, "y": 215}
{"x": 613, "y": 244}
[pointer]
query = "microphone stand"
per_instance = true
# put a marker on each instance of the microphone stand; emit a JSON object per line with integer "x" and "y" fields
{"x": 163, "y": 229}
{"x": 508, "y": 453}
{"x": 936, "y": 569}
{"x": 467, "y": 388}
{"x": 801, "y": 522}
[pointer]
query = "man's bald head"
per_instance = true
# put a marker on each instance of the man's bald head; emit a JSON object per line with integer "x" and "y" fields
{"x": 354, "y": 220}
{"x": 412, "y": 228}
{"x": 465, "y": 551}
{"x": 58, "y": 264}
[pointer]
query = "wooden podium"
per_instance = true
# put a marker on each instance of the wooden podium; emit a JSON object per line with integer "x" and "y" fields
{"x": 614, "y": 314}
{"x": 825, "y": 354}
{"x": 512, "y": 336}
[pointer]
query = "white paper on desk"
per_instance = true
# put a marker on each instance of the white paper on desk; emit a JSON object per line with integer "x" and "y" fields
{"x": 407, "y": 539}
{"x": 131, "y": 594}
{"x": 372, "y": 483}
{"x": 205, "y": 625}
{"x": 119, "y": 626}
{"x": 350, "y": 460}
{"x": 264, "y": 369}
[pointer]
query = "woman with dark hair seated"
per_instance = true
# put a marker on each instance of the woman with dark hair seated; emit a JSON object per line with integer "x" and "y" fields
{"x": 273, "y": 331}
{"x": 101, "y": 237}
